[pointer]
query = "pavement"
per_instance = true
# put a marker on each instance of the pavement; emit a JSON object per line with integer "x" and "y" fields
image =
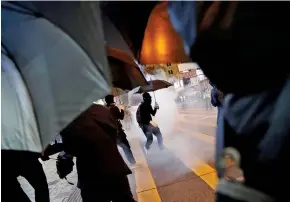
{"x": 183, "y": 172}
{"x": 59, "y": 189}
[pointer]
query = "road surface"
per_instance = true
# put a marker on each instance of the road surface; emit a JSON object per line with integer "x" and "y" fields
{"x": 184, "y": 172}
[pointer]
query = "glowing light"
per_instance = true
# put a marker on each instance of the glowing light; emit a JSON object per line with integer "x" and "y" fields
{"x": 161, "y": 43}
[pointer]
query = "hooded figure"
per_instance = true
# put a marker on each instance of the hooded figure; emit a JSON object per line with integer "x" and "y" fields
{"x": 144, "y": 118}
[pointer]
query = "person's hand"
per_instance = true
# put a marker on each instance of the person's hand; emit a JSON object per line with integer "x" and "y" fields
{"x": 156, "y": 105}
{"x": 44, "y": 157}
{"x": 122, "y": 107}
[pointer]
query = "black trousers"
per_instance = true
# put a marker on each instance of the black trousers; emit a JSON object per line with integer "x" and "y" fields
{"x": 149, "y": 130}
{"x": 25, "y": 164}
{"x": 123, "y": 142}
{"x": 115, "y": 189}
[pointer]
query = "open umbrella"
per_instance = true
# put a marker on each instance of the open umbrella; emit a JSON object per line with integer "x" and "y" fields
{"x": 117, "y": 47}
{"x": 130, "y": 18}
{"x": 125, "y": 70}
{"x": 126, "y": 76}
{"x": 55, "y": 66}
{"x": 154, "y": 86}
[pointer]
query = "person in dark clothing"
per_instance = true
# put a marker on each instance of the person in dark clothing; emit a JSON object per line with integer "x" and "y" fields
{"x": 145, "y": 113}
{"x": 122, "y": 140}
{"x": 217, "y": 98}
{"x": 102, "y": 172}
{"x": 27, "y": 165}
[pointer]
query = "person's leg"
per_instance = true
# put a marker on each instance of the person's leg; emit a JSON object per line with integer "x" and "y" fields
{"x": 147, "y": 129}
{"x": 157, "y": 133}
{"x": 121, "y": 191}
{"x": 35, "y": 175}
{"x": 124, "y": 143}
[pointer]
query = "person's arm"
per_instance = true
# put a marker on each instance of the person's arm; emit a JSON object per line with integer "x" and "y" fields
{"x": 153, "y": 111}
{"x": 119, "y": 114}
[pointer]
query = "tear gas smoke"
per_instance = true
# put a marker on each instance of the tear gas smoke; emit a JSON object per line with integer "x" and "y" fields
{"x": 190, "y": 145}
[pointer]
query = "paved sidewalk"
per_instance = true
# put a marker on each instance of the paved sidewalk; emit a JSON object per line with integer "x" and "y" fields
{"x": 59, "y": 189}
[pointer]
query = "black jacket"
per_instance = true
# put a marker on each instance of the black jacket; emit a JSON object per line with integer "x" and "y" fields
{"x": 146, "y": 111}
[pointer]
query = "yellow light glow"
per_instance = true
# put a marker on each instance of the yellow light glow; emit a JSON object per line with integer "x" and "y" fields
{"x": 161, "y": 43}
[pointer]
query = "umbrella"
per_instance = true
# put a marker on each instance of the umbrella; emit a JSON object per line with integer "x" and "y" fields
{"x": 116, "y": 45}
{"x": 130, "y": 18}
{"x": 126, "y": 76}
{"x": 118, "y": 91}
{"x": 125, "y": 70}
{"x": 154, "y": 86}
{"x": 54, "y": 64}
{"x": 135, "y": 99}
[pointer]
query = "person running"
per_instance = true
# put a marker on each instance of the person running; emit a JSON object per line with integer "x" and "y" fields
{"x": 144, "y": 119}
{"x": 122, "y": 140}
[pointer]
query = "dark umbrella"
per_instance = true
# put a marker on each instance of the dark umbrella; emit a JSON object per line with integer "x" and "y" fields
{"x": 130, "y": 18}
{"x": 126, "y": 76}
{"x": 154, "y": 86}
{"x": 125, "y": 70}
{"x": 117, "y": 47}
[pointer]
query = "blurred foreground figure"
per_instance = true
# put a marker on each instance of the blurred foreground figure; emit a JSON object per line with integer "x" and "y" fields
{"x": 227, "y": 39}
{"x": 27, "y": 165}
{"x": 20, "y": 142}
{"x": 122, "y": 140}
{"x": 144, "y": 119}
{"x": 102, "y": 172}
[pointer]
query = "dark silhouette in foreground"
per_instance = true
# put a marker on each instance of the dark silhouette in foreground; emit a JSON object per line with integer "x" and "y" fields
{"x": 102, "y": 172}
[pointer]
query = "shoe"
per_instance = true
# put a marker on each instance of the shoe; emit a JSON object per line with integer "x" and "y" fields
{"x": 146, "y": 150}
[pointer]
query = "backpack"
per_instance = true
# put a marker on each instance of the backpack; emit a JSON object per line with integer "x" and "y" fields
{"x": 64, "y": 164}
